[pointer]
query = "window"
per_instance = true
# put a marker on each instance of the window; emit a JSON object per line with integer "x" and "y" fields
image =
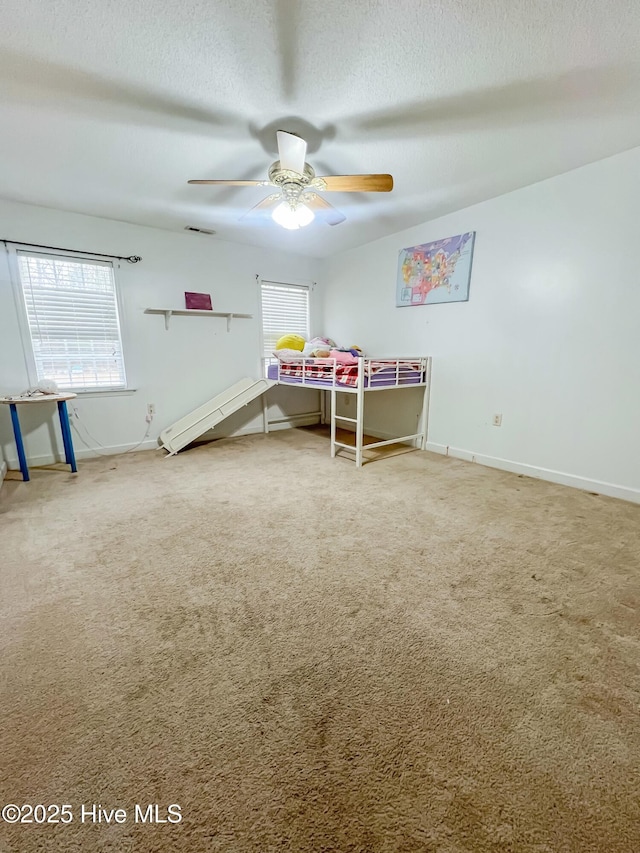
{"x": 285, "y": 310}
{"x": 72, "y": 313}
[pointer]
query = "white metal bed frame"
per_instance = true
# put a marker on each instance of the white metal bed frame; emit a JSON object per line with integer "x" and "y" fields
{"x": 377, "y": 381}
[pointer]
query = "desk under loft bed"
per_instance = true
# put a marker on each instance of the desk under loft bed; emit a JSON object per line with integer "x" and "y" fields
{"x": 369, "y": 374}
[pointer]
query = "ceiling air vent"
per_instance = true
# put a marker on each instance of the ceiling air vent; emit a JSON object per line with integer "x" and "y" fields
{"x": 198, "y": 230}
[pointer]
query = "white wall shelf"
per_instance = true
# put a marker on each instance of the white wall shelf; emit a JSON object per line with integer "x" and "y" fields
{"x": 190, "y": 312}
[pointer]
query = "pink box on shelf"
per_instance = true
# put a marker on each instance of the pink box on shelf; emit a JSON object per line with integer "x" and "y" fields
{"x": 198, "y": 301}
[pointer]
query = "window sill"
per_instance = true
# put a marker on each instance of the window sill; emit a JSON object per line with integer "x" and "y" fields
{"x": 101, "y": 392}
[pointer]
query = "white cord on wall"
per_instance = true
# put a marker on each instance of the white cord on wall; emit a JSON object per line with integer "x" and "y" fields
{"x": 76, "y": 417}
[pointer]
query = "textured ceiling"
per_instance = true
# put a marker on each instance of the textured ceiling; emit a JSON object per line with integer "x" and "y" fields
{"x": 108, "y": 107}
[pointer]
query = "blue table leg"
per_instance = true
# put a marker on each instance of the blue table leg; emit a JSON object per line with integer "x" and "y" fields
{"x": 69, "y": 455}
{"x": 19, "y": 445}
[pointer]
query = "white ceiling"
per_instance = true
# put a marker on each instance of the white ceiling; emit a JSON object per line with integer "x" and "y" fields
{"x": 108, "y": 107}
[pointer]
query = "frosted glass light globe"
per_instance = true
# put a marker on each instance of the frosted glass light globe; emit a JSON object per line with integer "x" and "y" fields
{"x": 292, "y": 217}
{"x": 304, "y": 215}
{"x": 285, "y": 215}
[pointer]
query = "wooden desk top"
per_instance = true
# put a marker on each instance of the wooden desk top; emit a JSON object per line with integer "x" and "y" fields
{"x": 38, "y": 398}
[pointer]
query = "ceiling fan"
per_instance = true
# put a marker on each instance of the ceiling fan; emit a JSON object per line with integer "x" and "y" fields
{"x": 296, "y": 201}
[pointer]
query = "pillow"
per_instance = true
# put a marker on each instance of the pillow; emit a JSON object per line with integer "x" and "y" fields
{"x": 288, "y": 354}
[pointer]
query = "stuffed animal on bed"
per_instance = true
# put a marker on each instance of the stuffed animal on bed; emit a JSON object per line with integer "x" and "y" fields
{"x": 289, "y": 347}
{"x": 317, "y": 348}
{"x": 343, "y": 356}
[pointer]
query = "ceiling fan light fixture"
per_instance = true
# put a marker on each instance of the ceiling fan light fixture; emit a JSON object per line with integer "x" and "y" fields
{"x": 285, "y": 215}
{"x": 305, "y": 215}
{"x": 292, "y": 218}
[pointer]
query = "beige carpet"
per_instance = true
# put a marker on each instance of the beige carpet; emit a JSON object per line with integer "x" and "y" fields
{"x": 424, "y": 655}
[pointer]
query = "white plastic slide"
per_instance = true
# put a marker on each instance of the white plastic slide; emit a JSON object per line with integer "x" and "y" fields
{"x": 204, "y": 418}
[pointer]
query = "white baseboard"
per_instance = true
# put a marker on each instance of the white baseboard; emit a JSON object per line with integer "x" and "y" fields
{"x": 152, "y": 443}
{"x": 81, "y": 453}
{"x": 282, "y": 423}
{"x": 610, "y": 489}
{"x": 294, "y": 421}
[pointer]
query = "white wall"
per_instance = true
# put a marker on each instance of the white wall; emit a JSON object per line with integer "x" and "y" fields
{"x": 549, "y": 338}
{"x": 177, "y": 369}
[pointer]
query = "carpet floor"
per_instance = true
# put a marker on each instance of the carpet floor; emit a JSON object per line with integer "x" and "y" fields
{"x": 423, "y": 655}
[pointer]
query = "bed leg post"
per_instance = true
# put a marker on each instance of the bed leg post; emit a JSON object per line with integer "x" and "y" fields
{"x": 424, "y": 418}
{"x": 333, "y": 422}
{"x": 360, "y": 413}
{"x": 265, "y": 414}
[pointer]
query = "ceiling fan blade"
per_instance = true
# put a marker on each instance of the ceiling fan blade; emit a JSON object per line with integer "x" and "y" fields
{"x": 574, "y": 93}
{"x": 291, "y": 151}
{"x": 265, "y": 206}
{"x": 233, "y": 183}
{"x": 328, "y": 212}
{"x": 358, "y": 183}
{"x": 35, "y": 82}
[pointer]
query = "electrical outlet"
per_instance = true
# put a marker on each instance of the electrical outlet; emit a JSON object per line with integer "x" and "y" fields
{"x": 497, "y": 420}
{"x": 151, "y": 409}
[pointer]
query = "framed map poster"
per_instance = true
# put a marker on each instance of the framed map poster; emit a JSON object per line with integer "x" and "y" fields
{"x": 435, "y": 272}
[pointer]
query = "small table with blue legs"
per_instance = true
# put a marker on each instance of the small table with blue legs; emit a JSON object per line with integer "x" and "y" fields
{"x": 61, "y": 400}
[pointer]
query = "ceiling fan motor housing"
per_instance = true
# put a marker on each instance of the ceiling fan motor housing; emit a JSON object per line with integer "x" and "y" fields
{"x": 293, "y": 184}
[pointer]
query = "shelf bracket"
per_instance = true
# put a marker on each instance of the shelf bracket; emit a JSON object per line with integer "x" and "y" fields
{"x": 167, "y": 317}
{"x": 229, "y": 316}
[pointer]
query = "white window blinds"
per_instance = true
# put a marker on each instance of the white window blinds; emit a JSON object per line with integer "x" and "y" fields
{"x": 285, "y": 310}
{"x": 72, "y": 311}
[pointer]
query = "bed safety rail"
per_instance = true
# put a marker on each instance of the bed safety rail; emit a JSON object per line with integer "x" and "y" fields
{"x": 373, "y": 373}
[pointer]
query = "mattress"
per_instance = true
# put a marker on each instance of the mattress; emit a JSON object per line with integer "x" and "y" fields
{"x": 379, "y": 374}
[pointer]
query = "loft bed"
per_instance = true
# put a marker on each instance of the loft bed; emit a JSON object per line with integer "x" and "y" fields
{"x": 369, "y": 374}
